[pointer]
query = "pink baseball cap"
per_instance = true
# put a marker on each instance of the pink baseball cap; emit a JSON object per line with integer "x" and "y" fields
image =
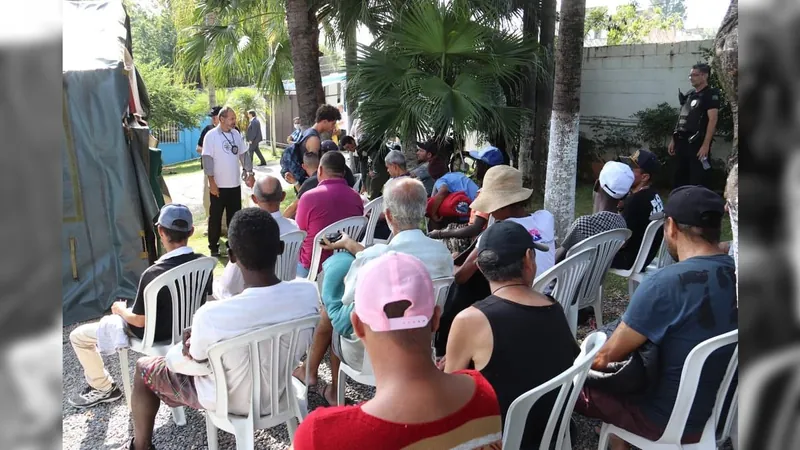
{"x": 391, "y": 278}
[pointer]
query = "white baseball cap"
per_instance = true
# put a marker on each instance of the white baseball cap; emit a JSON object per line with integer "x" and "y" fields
{"x": 616, "y": 179}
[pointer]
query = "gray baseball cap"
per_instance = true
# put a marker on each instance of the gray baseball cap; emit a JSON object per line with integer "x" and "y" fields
{"x": 175, "y": 212}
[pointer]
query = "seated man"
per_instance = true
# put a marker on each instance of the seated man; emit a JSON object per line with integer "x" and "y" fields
{"x": 396, "y": 164}
{"x": 426, "y": 151}
{"x": 504, "y": 197}
{"x": 416, "y": 406}
{"x": 676, "y": 308}
{"x": 404, "y": 207}
{"x": 458, "y": 236}
{"x": 642, "y": 202}
{"x": 174, "y": 228}
{"x": 331, "y": 201}
{"x": 613, "y": 184}
{"x": 310, "y": 165}
{"x": 487, "y": 335}
{"x": 267, "y": 195}
{"x": 255, "y": 240}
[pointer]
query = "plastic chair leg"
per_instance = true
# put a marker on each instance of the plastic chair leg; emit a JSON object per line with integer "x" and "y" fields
{"x": 597, "y": 306}
{"x": 602, "y": 444}
{"x": 341, "y": 385}
{"x": 211, "y": 434}
{"x": 245, "y": 435}
{"x": 179, "y": 416}
{"x": 126, "y": 375}
{"x": 292, "y": 425}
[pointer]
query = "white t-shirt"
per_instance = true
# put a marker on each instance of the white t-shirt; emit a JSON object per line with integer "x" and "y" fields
{"x": 253, "y": 309}
{"x": 284, "y": 225}
{"x": 542, "y": 227}
{"x": 218, "y": 144}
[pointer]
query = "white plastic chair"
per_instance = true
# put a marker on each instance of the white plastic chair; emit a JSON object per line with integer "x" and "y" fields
{"x": 352, "y": 226}
{"x": 758, "y": 377}
{"x": 690, "y": 378}
{"x": 590, "y": 293}
{"x": 274, "y": 352}
{"x": 568, "y": 275}
{"x": 373, "y": 212}
{"x": 441, "y": 287}
{"x": 662, "y": 259}
{"x": 357, "y": 184}
{"x": 635, "y": 274}
{"x": 569, "y": 384}
{"x": 286, "y": 266}
{"x": 187, "y": 288}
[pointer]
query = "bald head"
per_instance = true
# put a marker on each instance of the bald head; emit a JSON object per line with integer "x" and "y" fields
{"x": 404, "y": 200}
{"x": 268, "y": 194}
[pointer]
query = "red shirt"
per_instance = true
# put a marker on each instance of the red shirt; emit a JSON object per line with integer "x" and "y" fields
{"x": 476, "y": 426}
{"x": 331, "y": 201}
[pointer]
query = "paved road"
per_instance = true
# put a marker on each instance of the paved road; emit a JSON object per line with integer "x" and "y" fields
{"x": 187, "y": 189}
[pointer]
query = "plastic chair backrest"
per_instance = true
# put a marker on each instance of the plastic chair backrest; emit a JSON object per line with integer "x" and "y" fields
{"x": 568, "y": 275}
{"x": 757, "y": 378}
{"x": 569, "y": 384}
{"x": 606, "y": 245}
{"x": 663, "y": 259}
{"x": 286, "y": 266}
{"x": 647, "y": 243}
{"x": 690, "y": 378}
{"x": 187, "y": 288}
{"x": 351, "y": 225}
{"x": 357, "y": 184}
{"x": 265, "y": 346}
{"x": 372, "y": 210}
{"x": 441, "y": 286}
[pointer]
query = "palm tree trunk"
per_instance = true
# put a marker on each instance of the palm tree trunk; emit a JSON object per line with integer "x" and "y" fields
{"x": 530, "y": 32}
{"x": 544, "y": 98}
{"x": 350, "y": 56}
{"x": 559, "y": 197}
{"x": 212, "y": 95}
{"x": 726, "y": 49}
{"x": 303, "y": 28}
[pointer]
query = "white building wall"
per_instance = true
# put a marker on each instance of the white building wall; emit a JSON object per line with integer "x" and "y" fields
{"x": 618, "y": 81}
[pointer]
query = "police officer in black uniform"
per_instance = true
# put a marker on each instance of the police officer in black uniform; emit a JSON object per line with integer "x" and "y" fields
{"x": 691, "y": 140}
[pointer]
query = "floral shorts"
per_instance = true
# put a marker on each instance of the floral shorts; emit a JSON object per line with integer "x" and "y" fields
{"x": 174, "y": 389}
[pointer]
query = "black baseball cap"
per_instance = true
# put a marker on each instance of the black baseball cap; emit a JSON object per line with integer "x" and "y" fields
{"x": 214, "y": 111}
{"x": 695, "y": 206}
{"x": 645, "y": 160}
{"x": 509, "y": 240}
{"x": 328, "y": 146}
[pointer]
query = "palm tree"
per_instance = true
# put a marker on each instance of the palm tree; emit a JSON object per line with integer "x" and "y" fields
{"x": 559, "y": 197}
{"x": 435, "y": 70}
{"x": 251, "y": 40}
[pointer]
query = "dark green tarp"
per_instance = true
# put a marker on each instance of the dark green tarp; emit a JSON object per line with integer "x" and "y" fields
{"x": 108, "y": 204}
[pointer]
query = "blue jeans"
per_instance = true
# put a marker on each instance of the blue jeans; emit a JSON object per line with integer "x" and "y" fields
{"x": 302, "y": 272}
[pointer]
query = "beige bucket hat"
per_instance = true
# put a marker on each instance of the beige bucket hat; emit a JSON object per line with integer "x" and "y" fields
{"x": 502, "y": 186}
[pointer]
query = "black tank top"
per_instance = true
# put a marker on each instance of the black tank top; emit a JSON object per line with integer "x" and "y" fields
{"x": 532, "y": 344}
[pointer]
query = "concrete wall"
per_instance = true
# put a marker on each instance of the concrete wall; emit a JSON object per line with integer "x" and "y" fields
{"x": 618, "y": 81}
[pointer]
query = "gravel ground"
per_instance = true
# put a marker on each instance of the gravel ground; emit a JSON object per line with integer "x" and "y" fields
{"x": 108, "y": 426}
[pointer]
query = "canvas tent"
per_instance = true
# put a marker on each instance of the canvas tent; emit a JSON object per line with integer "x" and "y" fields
{"x": 108, "y": 202}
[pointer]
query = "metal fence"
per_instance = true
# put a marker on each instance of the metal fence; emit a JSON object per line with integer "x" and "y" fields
{"x": 170, "y": 134}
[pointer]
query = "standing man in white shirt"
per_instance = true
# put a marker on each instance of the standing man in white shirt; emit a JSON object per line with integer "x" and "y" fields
{"x": 255, "y": 239}
{"x": 267, "y": 195}
{"x": 224, "y": 153}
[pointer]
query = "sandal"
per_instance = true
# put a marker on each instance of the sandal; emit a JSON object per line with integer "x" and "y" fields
{"x": 321, "y": 390}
